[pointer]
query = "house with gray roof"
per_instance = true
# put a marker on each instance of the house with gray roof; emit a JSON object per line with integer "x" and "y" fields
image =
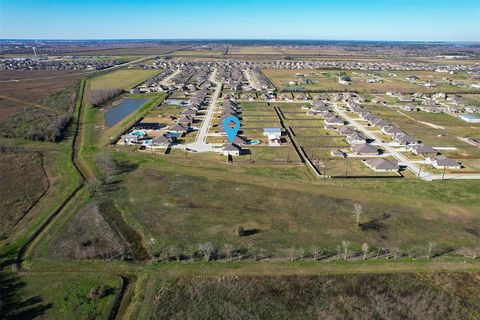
{"x": 231, "y": 149}
{"x": 442, "y": 162}
{"x": 364, "y": 149}
{"x": 382, "y": 165}
{"x": 423, "y": 150}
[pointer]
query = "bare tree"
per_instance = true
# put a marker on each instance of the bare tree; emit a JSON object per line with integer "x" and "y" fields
{"x": 229, "y": 249}
{"x": 99, "y": 96}
{"x": 315, "y": 251}
{"x": 430, "y": 247}
{"x": 365, "y": 250}
{"x": 339, "y": 252}
{"x": 301, "y": 253}
{"x": 345, "y": 245}
{"x": 192, "y": 250}
{"x": 396, "y": 252}
{"x": 207, "y": 249}
{"x": 105, "y": 162}
{"x": 358, "y": 210}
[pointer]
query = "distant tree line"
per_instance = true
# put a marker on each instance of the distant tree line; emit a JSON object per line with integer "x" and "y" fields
{"x": 99, "y": 96}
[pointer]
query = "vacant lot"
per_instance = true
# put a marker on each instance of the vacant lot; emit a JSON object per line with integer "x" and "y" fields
{"x": 124, "y": 79}
{"x": 394, "y": 296}
{"x": 172, "y": 203}
{"x": 23, "y": 181}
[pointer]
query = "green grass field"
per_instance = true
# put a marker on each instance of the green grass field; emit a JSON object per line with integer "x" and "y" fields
{"x": 124, "y": 78}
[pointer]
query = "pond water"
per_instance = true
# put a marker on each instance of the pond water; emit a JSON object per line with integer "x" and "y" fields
{"x": 119, "y": 112}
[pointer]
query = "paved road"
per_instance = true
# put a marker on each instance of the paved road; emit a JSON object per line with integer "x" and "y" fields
{"x": 200, "y": 144}
{"x": 166, "y": 80}
{"x": 401, "y": 158}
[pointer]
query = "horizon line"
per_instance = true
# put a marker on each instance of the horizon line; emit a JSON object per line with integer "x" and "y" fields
{"x": 237, "y": 39}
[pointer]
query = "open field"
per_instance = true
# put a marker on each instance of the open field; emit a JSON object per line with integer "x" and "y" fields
{"x": 287, "y": 215}
{"x": 39, "y": 106}
{"x": 396, "y": 296}
{"x": 124, "y": 79}
{"x": 23, "y": 183}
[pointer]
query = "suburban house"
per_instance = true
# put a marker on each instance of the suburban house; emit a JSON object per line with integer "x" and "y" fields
{"x": 185, "y": 120}
{"x": 423, "y": 150}
{"x": 364, "y": 149}
{"x": 274, "y": 136}
{"x": 356, "y": 138}
{"x": 179, "y": 128}
{"x": 231, "y": 149}
{"x": 130, "y": 138}
{"x": 442, "y": 162}
{"x": 334, "y": 120}
{"x": 382, "y": 165}
{"x": 162, "y": 141}
{"x": 390, "y": 130}
{"x": 404, "y": 139}
{"x": 338, "y": 153}
{"x": 345, "y": 131}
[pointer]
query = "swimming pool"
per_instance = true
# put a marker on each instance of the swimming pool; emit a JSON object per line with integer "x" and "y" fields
{"x": 253, "y": 142}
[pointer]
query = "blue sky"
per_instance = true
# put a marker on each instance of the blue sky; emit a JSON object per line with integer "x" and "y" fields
{"x": 454, "y": 20}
